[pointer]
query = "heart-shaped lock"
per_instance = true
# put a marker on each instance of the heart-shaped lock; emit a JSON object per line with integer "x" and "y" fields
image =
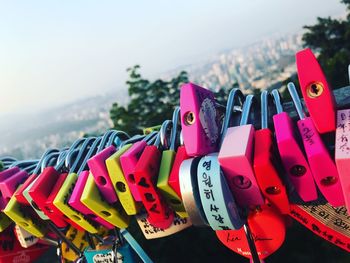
{"x": 268, "y": 230}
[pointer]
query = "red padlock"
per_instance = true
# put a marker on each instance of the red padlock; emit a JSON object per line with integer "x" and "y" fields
{"x": 266, "y": 174}
{"x": 146, "y": 171}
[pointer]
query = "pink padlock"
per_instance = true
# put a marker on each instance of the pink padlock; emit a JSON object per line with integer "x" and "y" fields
{"x": 98, "y": 168}
{"x": 75, "y": 202}
{"x": 342, "y": 152}
{"x": 235, "y": 155}
{"x": 128, "y": 162}
{"x": 322, "y": 166}
{"x": 199, "y": 120}
{"x": 292, "y": 156}
{"x": 8, "y": 187}
{"x": 8, "y": 173}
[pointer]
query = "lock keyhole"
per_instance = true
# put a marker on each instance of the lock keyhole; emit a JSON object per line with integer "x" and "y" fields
{"x": 298, "y": 170}
{"x": 314, "y": 90}
{"x": 189, "y": 118}
{"x": 329, "y": 180}
{"x": 273, "y": 190}
{"x": 241, "y": 182}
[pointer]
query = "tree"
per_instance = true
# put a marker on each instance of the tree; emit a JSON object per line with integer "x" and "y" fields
{"x": 331, "y": 38}
{"x": 150, "y": 102}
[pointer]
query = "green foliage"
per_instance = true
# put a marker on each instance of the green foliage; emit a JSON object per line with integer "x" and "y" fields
{"x": 331, "y": 38}
{"x": 150, "y": 102}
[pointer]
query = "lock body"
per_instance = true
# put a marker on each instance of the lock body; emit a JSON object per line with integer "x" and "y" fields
{"x": 40, "y": 191}
{"x": 342, "y": 152}
{"x": 199, "y": 120}
{"x": 4, "y": 175}
{"x": 322, "y": 166}
{"x": 119, "y": 182}
{"x": 266, "y": 174}
{"x": 146, "y": 172}
{"x": 61, "y": 202}
{"x": 319, "y": 98}
{"x": 93, "y": 199}
{"x": 10, "y": 184}
{"x": 235, "y": 158}
{"x": 169, "y": 194}
{"x": 21, "y": 215}
{"x": 97, "y": 165}
{"x": 173, "y": 180}
{"x": 293, "y": 159}
{"x": 19, "y": 193}
{"x": 128, "y": 161}
{"x": 5, "y": 221}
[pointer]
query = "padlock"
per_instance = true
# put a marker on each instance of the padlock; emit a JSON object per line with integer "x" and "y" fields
{"x": 23, "y": 217}
{"x": 166, "y": 165}
{"x": 61, "y": 199}
{"x": 199, "y": 120}
{"x": 318, "y": 96}
{"x": 267, "y": 227}
{"x": 146, "y": 172}
{"x": 189, "y": 191}
{"x": 74, "y": 198}
{"x": 97, "y": 166}
{"x": 291, "y": 153}
{"x": 342, "y": 152}
{"x": 79, "y": 241}
{"x": 266, "y": 174}
{"x": 128, "y": 161}
{"x": 93, "y": 199}
{"x": 118, "y": 179}
{"x": 3, "y": 176}
{"x": 19, "y": 193}
{"x": 180, "y": 156}
{"x": 236, "y": 154}
{"x": 45, "y": 188}
{"x": 218, "y": 203}
{"x": 322, "y": 166}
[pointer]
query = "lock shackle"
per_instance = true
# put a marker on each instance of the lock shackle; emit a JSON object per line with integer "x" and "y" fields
{"x": 296, "y": 100}
{"x": 277, "y": 100}
{"x": 248, "y": 110}
{"x": 47, "y": 152}
{"x": 92, "y": 150}
{"x": 181, "y": 138}
{"x": 251, "y": 244}
{"x": 8, "y": 159}
{"x": 50, "y": 158}
{"x": 133, "y": 139}
{"x": 266, "y": 100}
{"x": 62, "y": 159}
{"x": 78, "y": 159}
{"x": 105, "y": 139}
{"x": 117, "y": 138}
{"x": 175, "y": 121}
{"x": 164, "y": 140}
{"x": 235, "y": 96}
{"x": 24, "y": 164}
{"x": 150, "y": 138}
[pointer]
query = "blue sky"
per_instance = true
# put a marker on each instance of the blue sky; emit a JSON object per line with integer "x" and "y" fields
{"x": 52, "y": 52}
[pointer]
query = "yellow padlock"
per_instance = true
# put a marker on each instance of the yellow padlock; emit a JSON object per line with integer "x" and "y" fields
{"x": 19, "y": 214}
{"x": 78, "y": 238}
{"x": 61, "y": 202}
{"x": 5, "y": 221}
{"x": 119, "y": 183}
{"x": 93, "y": 199}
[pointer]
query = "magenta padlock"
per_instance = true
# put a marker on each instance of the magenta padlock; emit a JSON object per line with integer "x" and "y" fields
{"x": 322, "y": 166}
{"x": 291, "y": 153}
{"x": 8, "y": 173}
{"x": 235, "y": 156}
{"x": 74, "y": 200}
{"x": 97, "y": 166}
{"x": 199, "y": 120}
{"x": 129, "y": 161}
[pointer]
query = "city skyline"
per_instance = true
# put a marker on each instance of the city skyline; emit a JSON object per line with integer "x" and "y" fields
{"x": 59, "y": 52}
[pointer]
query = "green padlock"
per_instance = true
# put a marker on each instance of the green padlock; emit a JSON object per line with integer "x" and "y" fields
{"x": 166, "y": 164}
